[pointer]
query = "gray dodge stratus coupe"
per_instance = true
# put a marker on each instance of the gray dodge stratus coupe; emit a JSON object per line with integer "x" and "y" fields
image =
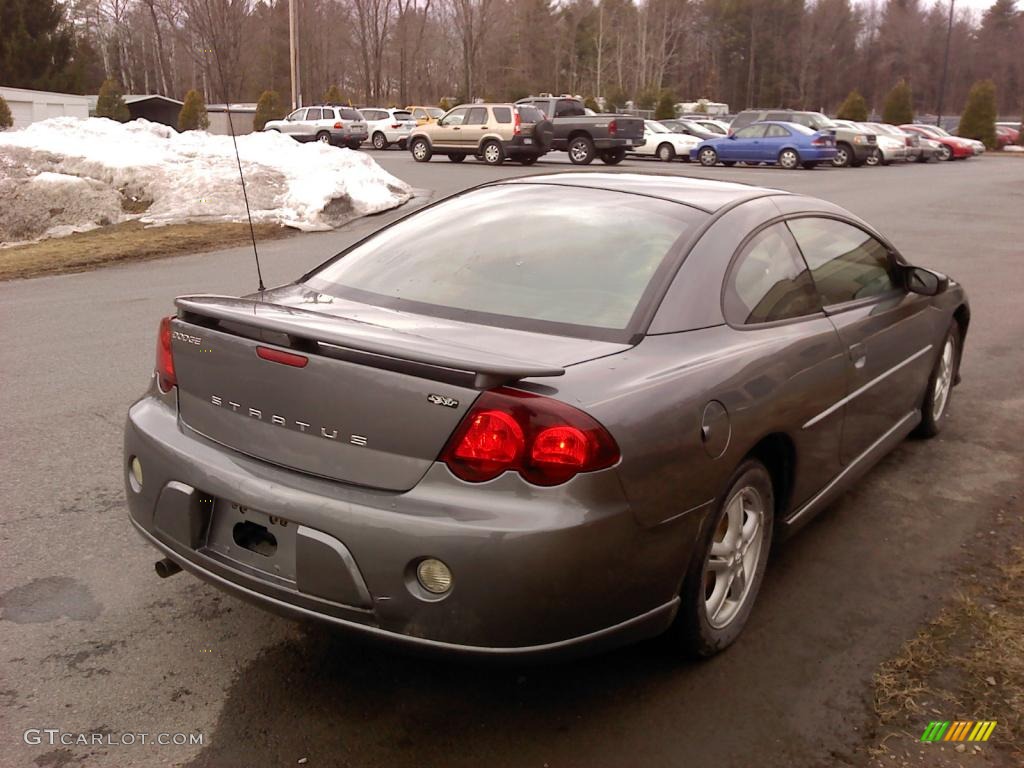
{"x": 559, "y": 412}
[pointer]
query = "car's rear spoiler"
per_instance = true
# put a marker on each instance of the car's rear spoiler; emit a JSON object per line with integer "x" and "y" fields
{"x": 488, "y": 368}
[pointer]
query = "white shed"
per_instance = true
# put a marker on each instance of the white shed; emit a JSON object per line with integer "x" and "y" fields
{"x": 29, "y": 106}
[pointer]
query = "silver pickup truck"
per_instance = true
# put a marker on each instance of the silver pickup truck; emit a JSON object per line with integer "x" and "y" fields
{"x": 586, "y": 137}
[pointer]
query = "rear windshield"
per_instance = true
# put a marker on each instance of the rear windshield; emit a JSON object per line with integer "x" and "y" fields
{"x": 530, "y": 114}
{"x": 568, "y": 261}
{"x": 400, "y": 115}
{"x": 347, "y": 113}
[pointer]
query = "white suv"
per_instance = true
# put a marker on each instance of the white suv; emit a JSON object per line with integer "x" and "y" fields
{"x": 388, "y": 126}
{"x": 340, "y": 126}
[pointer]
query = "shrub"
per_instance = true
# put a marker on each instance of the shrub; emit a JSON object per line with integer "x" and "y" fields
{"x": 333, "y": 96}
{"x": 854, "y": 108}
{"x": 193, "y": 113}
{"x": 616, "y": 100}
{"x": 979, "y": 118}
{"x": 666, "y": 109}
{"x": 591, "y": 103}
{"x": 6, "y": 121}
{"x": 268, "y": 108}
{"x": 110, "y": 103}
{"x": 443, "y": 104}
{"x": 899, "y": 105}
{"x": 647, "y": 98}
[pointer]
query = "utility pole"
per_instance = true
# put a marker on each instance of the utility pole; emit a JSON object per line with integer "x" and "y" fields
{"x": 945, "y": 65}
{"x": 293, "y": 54}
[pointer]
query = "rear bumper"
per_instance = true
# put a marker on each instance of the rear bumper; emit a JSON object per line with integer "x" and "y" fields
{"x": 534, "y": 575}
{"x": 618, "y": 143}
{"x": 817, "y": 154}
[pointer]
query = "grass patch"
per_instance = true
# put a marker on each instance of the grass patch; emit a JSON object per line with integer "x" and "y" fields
{"x": 130, "y": 241}
{"x": 967, "y": 664}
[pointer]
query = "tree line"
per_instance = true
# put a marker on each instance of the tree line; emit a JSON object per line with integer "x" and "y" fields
{"x": 808, "y": 54}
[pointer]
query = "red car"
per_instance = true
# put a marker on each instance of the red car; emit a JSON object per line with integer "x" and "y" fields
{"x": 1006, "y": 134}
{"x": 954, "y": 147}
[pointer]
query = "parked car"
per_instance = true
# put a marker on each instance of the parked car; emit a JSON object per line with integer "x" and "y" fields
{"x": 490, "y": 132}
{"x": 1006, "y": 135}
{"x": 587, "y": 137}
{"x": 853, "y": 147}
{"x": 918, "y": 148}
{"x": 791, "y": 145}
{"x": 714, "y": 126}
{"x": 887, "y": 147}
{"x": 953, "y": 147}
{"x": 691, "y": 128}
{"x": 327, "y": 123}
{"x": 548, "y": 414}
{"x": 388, "y": 126}
{"x": 423, "y": 115}
{"x": 665, "y": 144}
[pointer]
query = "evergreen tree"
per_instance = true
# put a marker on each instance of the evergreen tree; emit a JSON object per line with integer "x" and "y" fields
{"x": 591, "y": 103}
{"x": 6, "y": 121}
{"x": 333, "y": 96}
{"x": 36, "y": 46}
{"x": 647, "y": 98}
{"x": 111, "y": 104}
{"x": 979, "y": 118}
{"x": 616, "y": 100}
{"x": 666, "y": 109}
{"x": 899, "y": 105}
{"x": 443, "y": 104}
{"x": 854, "y": 108}
{"x": 193, "y": 113}
{"x": 268, "y": 108}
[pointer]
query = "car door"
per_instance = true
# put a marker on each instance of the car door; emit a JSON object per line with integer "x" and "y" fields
{"x": 448, "y": 132}
{"x": 775, "y": 138}
{"x": 308, "y": 126}
{"x": 474, "y": 127}
{"x": 889, "y": 333}
{"x": 745, "y": 144}
{"x": 292, "y": 124}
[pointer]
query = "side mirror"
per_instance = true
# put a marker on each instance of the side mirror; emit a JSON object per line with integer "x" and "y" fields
{"x": 925, "y": 281}
{"x": 732, "y": 135}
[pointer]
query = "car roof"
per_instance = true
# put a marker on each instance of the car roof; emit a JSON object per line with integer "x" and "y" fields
{"x": 704, "y": 194}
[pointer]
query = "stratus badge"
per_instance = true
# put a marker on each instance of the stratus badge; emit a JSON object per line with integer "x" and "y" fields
{"x": 447, "y": 402}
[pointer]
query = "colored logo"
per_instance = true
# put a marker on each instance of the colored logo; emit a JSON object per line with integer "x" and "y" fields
{"x": 959, "y": 730}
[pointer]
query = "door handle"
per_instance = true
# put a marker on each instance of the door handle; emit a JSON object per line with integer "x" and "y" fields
{"x": 859, "y": 355}
{"x": 484, "y": 127}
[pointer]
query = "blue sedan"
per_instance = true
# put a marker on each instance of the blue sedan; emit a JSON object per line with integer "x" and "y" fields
{"x": 788, "y": 144}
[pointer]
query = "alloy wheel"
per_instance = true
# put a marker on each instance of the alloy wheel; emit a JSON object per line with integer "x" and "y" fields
{"x": 944, "y": 380}
{"x": 841, "y": 158}
{"x": 323, "y": 138}
{"x": 788, "y": 159}
{"x": 736, "y": 551}
{"x": 419, "y": 150}
{"x": 378, "y": 141}
{"x": 708, "y": 157}
{"x": 578, "y": 152}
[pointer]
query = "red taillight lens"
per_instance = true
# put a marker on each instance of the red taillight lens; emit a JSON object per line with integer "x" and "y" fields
{"x": 517, "y": 123}
{"x": 164, "y": 357}
{"x": 612, "y": 128}
{"x": 338, "y": 126}
{"x": 396, "y": 125}
{"x": 546, "y": 441}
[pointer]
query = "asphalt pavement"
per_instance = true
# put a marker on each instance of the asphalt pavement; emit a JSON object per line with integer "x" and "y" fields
{"x": 94, "y": 642}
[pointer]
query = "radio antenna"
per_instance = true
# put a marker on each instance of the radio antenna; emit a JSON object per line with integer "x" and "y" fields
{"x": 238, "y": 159}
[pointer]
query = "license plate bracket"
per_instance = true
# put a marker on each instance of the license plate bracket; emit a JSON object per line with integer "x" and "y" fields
{"x": 253, "y": 539}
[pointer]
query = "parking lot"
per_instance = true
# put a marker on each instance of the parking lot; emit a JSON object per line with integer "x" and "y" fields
{"x": 94, "y": 641}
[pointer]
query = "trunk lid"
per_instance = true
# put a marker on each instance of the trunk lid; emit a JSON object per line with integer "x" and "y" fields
{"x": 378, "y": 392}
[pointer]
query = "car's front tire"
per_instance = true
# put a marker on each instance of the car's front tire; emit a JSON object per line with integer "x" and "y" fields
{"x": 708, "y": 157}
{"x": 945, "y": 153}
{"x": 935, "y": 407}
{"x": 843, "y": 156}
{"x": 728, "y": 567}
{"x": 421, "y": 151}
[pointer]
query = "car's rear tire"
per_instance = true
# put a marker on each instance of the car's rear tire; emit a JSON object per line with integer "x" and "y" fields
{"x": 323, "y": 137}
{"x": 581, "y": 151}
{"x": 354, "y": 144}
{"x": 492, "y": 152}
{"x": 708, "y": 157}
{"x": 456, "y": 157}
{"x": 613, "y": 156}
{"x": 843, "y": 156}
{"x": 733, "y": 551}
{"x": 380, "y": 141}
{"x": 810, "y": 165}
{"x": 935, "y": 407}
{"x": 527, "y": 159}
{"x": 666, "y": 152}
{"x": 421, "y": 151}
{"x": 874, "y": 158}
{"x": 789, "y": 159}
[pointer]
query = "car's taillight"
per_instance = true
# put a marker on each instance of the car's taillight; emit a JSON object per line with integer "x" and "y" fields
{"x": 517, "y": 123}
{"x": 339, "y": 125}
{"x": 396, "y": 125}
{"x": 546, "y": 441}
{"x": 820, "y": 141}
{"x": 612, "y": 128}
{"x": 164, "y": 357}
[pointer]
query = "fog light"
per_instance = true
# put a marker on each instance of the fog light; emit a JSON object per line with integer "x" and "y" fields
{"x": 434, "y": 576}
{"x": 136, "y": 466}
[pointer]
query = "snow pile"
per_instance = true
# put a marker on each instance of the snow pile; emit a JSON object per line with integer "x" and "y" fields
{"x": 66, "y": 173}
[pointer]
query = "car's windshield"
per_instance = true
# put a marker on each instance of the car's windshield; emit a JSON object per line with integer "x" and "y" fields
{"x": 532, "y": 256}
{"x": 656, "y": 127}
{"x": 939, "y": 131}
{"x": 435, "y": 111}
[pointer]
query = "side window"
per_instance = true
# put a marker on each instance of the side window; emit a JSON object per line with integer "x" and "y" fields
{"x": 568, "y": 108}
{"x": 755, "y": 131}
{"x": 419, "y": 114}
{"x": 847, "y": 263}
{"x": 544, "y": 106}
{"x": 298, "y": 114}
{"x": 314, "y": 114}
{"x": 455, "y": 117}
{"x": 742, "y": 120}
{"x": 769, "y": 281}
{"x": 776, "y": 132}
{"x": 476, "y": 116}
{"x": 502, "y": 114}
{"x": 785, "y": 117}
